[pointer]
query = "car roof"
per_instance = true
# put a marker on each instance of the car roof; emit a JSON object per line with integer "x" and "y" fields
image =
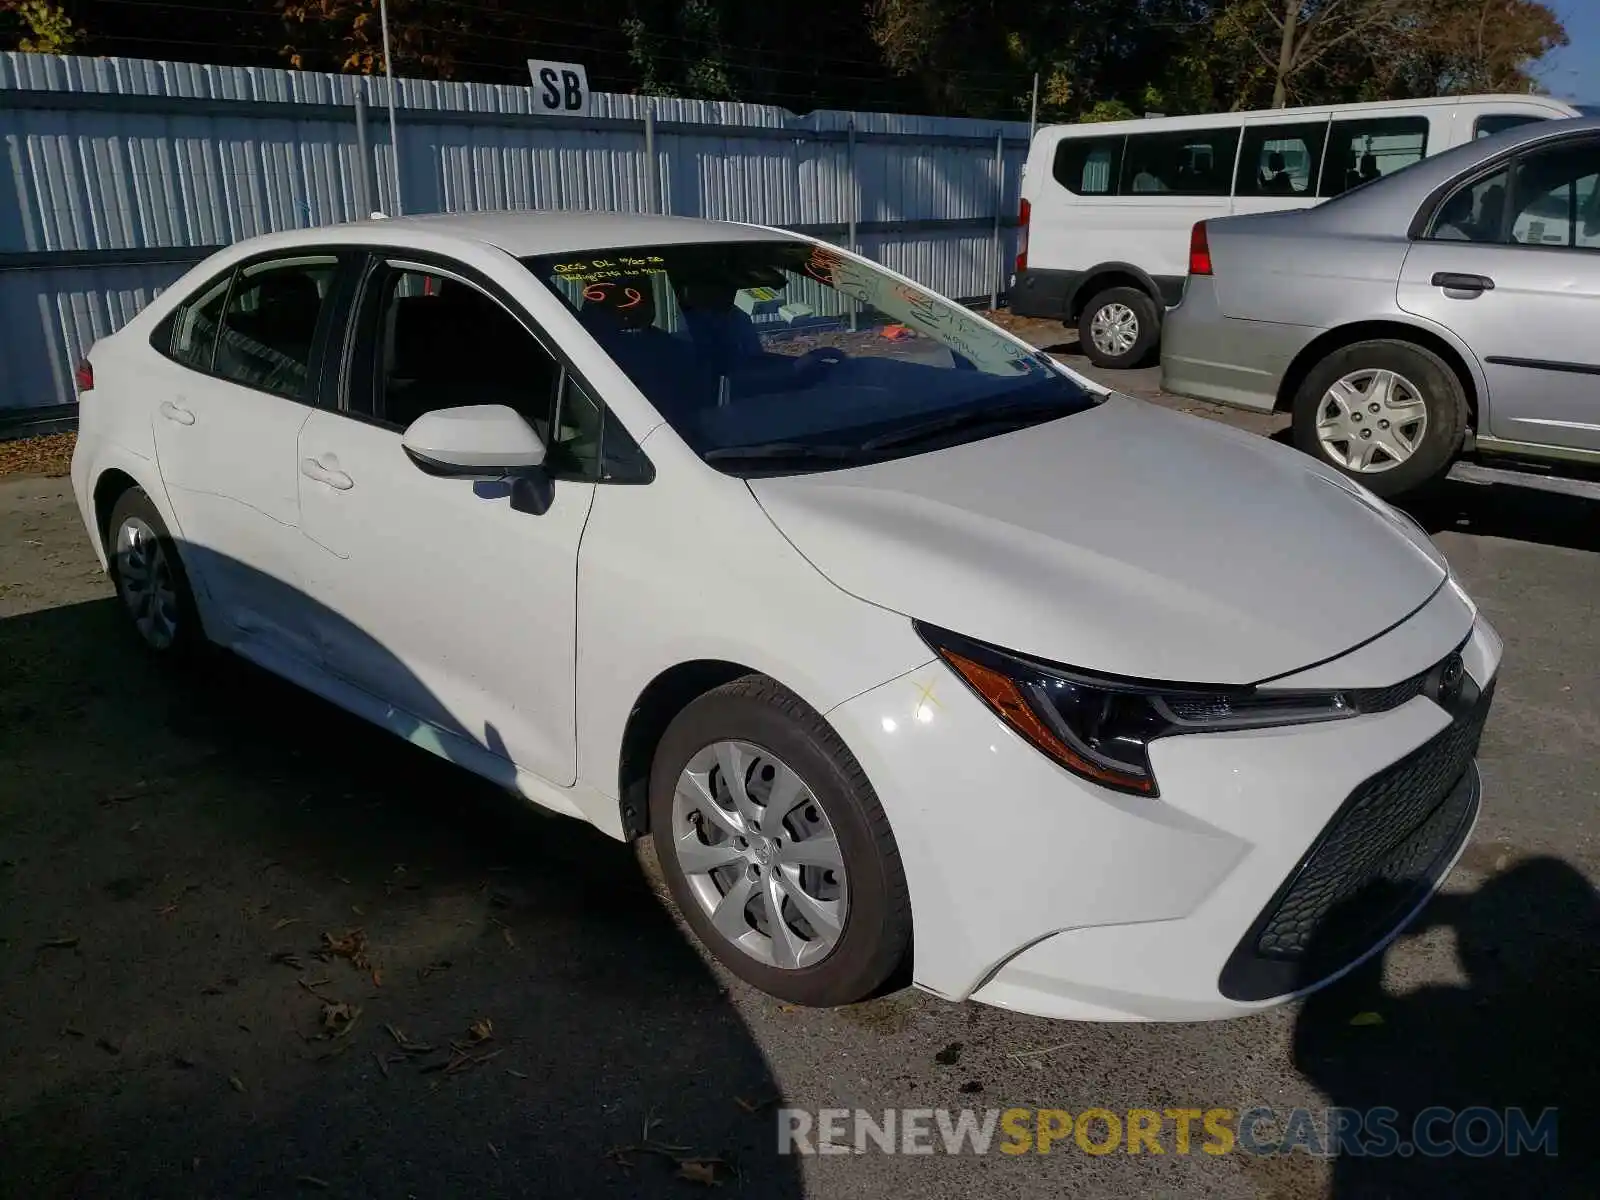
{"x": 525, "y": 232}
{"x": 1388, "y": 204}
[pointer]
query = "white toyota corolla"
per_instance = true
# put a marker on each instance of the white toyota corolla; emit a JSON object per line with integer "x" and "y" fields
{"x": 908, "y": 647}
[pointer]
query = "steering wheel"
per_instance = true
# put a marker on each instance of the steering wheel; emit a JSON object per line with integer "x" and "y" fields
{"x": 810, "y": 366}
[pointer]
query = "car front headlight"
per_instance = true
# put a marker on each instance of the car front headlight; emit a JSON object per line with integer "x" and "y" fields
{"x": 1100, "y": 727}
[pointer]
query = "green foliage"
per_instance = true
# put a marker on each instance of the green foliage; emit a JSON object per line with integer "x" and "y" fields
{"x": 47, "y": 28}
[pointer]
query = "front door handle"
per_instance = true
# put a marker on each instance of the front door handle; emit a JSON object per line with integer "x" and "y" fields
{"x": 1452, "y": 281}
{"x": 176, "y": 412}
{"x": 327, "y": 473}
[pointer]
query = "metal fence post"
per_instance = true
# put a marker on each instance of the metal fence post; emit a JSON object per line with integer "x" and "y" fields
{"x": 999, "y": 205}
{"x": 394, "y": 127}
{"x": 652, "y": 173}
{"x": 365, "y": 181}
{"x": 855, "y": 203}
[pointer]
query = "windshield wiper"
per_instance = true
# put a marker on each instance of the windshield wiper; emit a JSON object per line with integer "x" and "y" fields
{"x": 1017, "y": 415}
{"x": 783, "y": 451}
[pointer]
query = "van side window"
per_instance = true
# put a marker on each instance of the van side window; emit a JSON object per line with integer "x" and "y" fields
{"x": 1493, "y": 123}
{"x": 1195, "y": 162}
{"x": 1281, "y": 160}
{"x": 1361, "y": 151}
{"x": 1089, "y": 166}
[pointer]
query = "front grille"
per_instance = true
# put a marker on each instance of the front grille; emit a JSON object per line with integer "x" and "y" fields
{"x": 1376, "y": 700}
{"x": 1375, "y": 861}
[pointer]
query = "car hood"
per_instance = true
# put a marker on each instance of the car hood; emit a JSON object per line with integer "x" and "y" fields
{"x": 1125, "y": 539}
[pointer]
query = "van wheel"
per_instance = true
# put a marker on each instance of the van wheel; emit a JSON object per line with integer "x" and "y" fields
{"x": 1389, "y": 414}
{"x": 1119, "y": 328}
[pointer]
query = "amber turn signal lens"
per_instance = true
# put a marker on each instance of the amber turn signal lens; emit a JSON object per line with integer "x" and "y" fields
{"x": 1003, "y": 695}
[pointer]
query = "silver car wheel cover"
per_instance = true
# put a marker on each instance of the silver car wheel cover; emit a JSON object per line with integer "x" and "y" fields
{"x": 1114, "y": 329}
{"x": 1371, "y": 420}
{"x": 759, "y": 855}
{"x": 145, "y": 582}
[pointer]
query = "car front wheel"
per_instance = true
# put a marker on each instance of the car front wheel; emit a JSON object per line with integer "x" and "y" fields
{"x": 1389, "y": 414}
{"x": 775, "y": 847}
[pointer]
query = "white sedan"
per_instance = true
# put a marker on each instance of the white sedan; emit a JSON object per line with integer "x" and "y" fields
{"x": 910, "y": 649}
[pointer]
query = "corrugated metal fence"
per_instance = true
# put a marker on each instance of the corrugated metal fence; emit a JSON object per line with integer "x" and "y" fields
{"x": 124, "y": 172}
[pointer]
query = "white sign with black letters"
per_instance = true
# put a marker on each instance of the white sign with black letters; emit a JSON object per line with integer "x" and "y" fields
{"x": 559, "y": 88}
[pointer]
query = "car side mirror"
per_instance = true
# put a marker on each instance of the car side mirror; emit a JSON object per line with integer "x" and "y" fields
{"x": 483, "y": 442}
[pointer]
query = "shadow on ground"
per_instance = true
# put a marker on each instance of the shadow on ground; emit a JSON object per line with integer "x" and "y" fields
{"x": 231, "y": 916}
{"x": 1517, "y": 1033}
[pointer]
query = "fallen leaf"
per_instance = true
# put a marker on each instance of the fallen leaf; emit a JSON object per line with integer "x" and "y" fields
{"x": 285, "y": 922}
{"x": 287, "y": 958}
{"x": 108, "y": 1045}
{"x": 166, "y": 910}
{"x": 701, "y": 1170}
{"x": 481, "y": 1030}
{"x": 433, "y": 968}
{"x": 1367, "y": 1018}
{"x": 339, "y": 1018}
{"x": 787, "y": 1008}
{"x": 377, "y": 977}
{"x": 505, "y": 932}
{"x": 311, "y": 1181}
{"x": 70, "y": 1031}
{"x": 351, "y": 945}
{"x": 515, "y": 1074}
{"x": 235, "y": 1083}
{"x": 493, "y": 1149}
{"x": 60, "y": 943}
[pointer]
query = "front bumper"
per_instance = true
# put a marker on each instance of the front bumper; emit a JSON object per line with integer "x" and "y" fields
{"x": 1036, "y": 891}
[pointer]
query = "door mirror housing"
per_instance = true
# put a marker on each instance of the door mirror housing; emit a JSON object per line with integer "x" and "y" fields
{"x": 476, "y": 441}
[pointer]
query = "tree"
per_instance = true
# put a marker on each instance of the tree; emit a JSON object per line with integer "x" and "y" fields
{"x": 48, "y": 28}
{"x": 1485, "y": 45}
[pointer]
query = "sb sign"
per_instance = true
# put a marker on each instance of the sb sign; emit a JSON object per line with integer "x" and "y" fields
{"x": 559, "y": 87}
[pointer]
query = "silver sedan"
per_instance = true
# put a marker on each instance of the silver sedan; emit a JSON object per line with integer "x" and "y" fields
{"x": 1452, "y": 307}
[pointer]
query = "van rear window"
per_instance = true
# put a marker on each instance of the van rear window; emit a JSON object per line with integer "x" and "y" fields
{"x": 1089, "y": 166}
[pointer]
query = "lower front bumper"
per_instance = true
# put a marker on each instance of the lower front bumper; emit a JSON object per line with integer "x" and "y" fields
{"x": 1036, "y": 891}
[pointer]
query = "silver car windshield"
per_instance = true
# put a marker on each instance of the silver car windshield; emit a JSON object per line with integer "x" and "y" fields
{"x": 784, "y": 356}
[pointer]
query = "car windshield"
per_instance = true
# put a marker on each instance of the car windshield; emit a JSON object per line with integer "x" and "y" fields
{"x": 785, "y": 356}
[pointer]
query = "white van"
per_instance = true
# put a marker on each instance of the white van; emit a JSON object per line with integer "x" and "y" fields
{"x": 1107, "y": 209}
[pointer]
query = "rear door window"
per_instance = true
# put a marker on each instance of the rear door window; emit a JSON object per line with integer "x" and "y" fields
{"x": 1281, "y": 160}
{"x": 1184, "y": 163}
{"x": 1492, "y": 123}
{"x": 270, "y": 322}
{"x": 1557, "y": 198}
{"x": 1361, "y": 151}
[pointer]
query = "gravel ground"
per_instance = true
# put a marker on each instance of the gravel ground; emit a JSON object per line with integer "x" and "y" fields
{"x": 232, "y": 917}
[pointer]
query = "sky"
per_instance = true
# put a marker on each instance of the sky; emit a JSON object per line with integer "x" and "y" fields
{"x": 1574, "y": 73}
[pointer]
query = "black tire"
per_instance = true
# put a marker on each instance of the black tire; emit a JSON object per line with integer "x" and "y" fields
{"x": 876, "y": 934}
{"x": 187, "y": 638}
{"x": 1435, "y": 383}
{"x": 1147, "y": 337}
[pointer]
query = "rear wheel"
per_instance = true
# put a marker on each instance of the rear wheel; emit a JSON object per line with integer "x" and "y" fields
{"x": 775, "y": 847}
{"x": 150, "y": 579}
{"x": 1119, "y": 328}
{"x": 1389, "y": 414}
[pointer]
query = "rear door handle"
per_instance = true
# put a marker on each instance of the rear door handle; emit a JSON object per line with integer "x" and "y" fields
{"x": 323, "y": 473}
{"x": 176, "y": 412}
{"x": 1452, "y": 281}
